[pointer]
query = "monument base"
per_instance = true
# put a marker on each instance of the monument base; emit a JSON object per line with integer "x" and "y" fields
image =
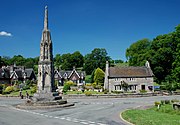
{"x": 51, "y": 96}
{"x": 45, "y": 101}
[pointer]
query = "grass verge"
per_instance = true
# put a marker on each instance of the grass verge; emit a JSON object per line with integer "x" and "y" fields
{"x": 164, "y": 116}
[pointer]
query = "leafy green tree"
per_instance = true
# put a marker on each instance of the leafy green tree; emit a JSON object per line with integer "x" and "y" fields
{"x": 29, "y": 63}
{"x": 1, "y": 62}
{"x": 99, "y": 76}
{"x": 19, "y": 60}
{"x": 88, "y": 79}
{"x": 162, "y": 56}
{"x": 57, "y": 60}
{"x": 5, "y": 60}
{"x": 137, "y": 53}
{"x": 97, "y": 58}
{"x": 70, "y": 60}
{"x": 66, "y": 59}
{"x": 77, "y": 59}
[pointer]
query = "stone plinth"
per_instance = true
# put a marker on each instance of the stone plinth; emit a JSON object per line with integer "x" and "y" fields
{"x": 46, "y": 97}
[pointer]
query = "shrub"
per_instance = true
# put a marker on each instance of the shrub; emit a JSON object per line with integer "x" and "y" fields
{"x": 74, "y": 89}
{"x": 105, "y": 91}
{"x": 87, "y": 93}
{"x": 70, "y": 83}
{"x": 25, "y": 87}
{"x": 167, "y": 101}
{"x": 66, "y": 87}
{"x": 143, "y": 91}
{"x": 174, "y": 100}
{"x": 88, "y": 79}
{"x": 33, "y": 89}
{"x": 157, "y": 103}
{"x": 162, "y": 102}
{"x": 8, "y": 90}
{"x": 88, "y": 84}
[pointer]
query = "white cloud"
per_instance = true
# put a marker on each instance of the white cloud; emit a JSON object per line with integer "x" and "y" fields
{"x": 4, "y": 33}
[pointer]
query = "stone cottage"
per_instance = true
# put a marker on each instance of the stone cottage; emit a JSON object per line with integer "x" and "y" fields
{"x": 135, "y": 78}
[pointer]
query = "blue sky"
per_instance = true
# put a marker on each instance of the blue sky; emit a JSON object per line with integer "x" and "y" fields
{"x": 84, "y": 24}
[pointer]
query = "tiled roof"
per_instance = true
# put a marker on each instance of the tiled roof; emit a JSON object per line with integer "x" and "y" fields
{"x": 62, "y": 73}
{"x": 130, "y": 72}
{"x": 28, "y": 72}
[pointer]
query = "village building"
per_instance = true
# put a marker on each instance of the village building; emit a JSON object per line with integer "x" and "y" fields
{"x": 135, "y": 78}
{"x": 5, "y": 75}
{"x": 77, "y": 77}
{"x": 11, "y": 74}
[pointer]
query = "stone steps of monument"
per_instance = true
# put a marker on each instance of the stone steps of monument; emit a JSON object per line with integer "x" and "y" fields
{"x": 55, "y": 94}
{"x": 57, "y": 97}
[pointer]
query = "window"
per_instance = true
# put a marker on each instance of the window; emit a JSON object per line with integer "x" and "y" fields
{"x": 117, "y": 87}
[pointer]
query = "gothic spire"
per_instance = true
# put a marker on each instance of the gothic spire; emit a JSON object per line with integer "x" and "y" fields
{"x": 46, "y": 18}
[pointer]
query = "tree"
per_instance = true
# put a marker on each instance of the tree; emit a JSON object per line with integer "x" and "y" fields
{"x": 29, "y": 63}
{"x": 19, "y": 60}
{"x": 99, "y": 76}
{"x": 97, "y": 58}
{"x": 71, "y": 60}
{"x": 77, "y": 59}
{"x": 1, "y": 62}
{"x": 137, "y": 53}
{"x": 57, "y": 60}
{"x": 162, "y": 56}
{"x": 66, "y": 59}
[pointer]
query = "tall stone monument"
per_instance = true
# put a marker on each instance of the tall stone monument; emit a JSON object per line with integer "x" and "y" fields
{"x": 46, "y": 87}
{"x": 45, "y": 67}
{"x": 46, "y": 96}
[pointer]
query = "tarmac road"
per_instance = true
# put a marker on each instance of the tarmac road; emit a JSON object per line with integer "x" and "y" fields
{"x": 101, "y": 111}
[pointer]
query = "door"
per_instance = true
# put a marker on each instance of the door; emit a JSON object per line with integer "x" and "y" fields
{"x": 143, "y": 87}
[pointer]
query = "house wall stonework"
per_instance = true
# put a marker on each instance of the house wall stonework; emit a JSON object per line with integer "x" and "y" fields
{"x": 137, "y": 78}
{"x": 135, "y": 82}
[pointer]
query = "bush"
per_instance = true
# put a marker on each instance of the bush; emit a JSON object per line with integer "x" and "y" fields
{"x": 174, "y": 100}
{"x": 8, "y": 90}
{"x": 143, "y": 91}
{"x": 88, "y": 79}
{"x": 33, "y": 89}
{"x": 25, "y": 87}
{"x": 162, "y": 102}
{"x": 87, "y": 93}
{"x": 105, "y": 91}
{"x": 70, "y": 83}
{"x": 88, "y": 84}
{"x": 66, "y": 87}
{"x": 157, "y": 103}
{"x": 167, "y": 101}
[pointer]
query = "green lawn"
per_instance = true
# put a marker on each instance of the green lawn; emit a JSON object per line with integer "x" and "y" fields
{"x": 165, "y": 116}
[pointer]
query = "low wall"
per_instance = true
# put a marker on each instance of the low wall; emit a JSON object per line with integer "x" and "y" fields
{"x": 122, "y": 95}
{"x": 74, "y": 96}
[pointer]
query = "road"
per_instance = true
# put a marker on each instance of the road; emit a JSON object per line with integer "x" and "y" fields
{"x": 99, "y": 111}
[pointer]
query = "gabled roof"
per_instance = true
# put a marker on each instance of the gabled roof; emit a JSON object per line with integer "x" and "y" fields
{"x": 130, "y": 72}
{"x": 14, "y": 74}
{"x": 69, "y": 73}
{"x": 74, "y": 71}
{"x": 29, "y": 72}
{"x": 20, "y": 73}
